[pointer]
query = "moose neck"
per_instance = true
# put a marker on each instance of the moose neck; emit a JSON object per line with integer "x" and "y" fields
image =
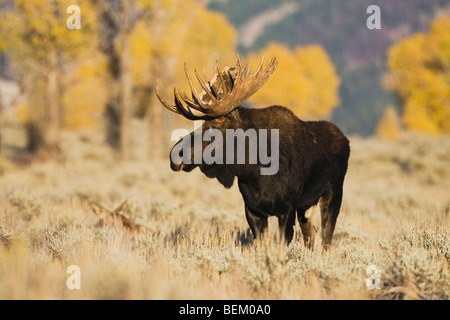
{"x": 249, "y": 149}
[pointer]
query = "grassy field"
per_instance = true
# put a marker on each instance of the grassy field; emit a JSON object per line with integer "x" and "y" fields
{"x": 395, "y": 215}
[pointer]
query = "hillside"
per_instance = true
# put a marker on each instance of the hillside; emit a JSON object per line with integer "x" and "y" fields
{"x": 340, "y": 27}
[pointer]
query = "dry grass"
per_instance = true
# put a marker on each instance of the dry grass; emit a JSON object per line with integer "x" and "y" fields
{"x": 395, "y": 215}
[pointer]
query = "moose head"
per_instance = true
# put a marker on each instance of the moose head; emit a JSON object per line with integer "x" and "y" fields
{"x": 216, "y": 105}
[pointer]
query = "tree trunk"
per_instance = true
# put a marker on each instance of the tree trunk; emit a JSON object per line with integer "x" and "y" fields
{"x": 126, "y": 95}
{"x": 125, "y": 83}
{"x": 162, "y": 69}
{"x": 52, "y": 112}
{"x": 155, "y": 113}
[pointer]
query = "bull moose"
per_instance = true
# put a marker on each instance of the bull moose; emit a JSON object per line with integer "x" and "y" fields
{"x": 312, "y": 155}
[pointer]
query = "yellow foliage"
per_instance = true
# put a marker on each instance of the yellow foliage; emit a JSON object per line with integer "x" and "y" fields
{"x": 420, "y": 74}
{"x": 172, "y": 33}
{"x": 35, "y": 29}
{"x": 305, "y": 81}
{"x": 23, "y": 112}
{"x": 85, "y": 99}
{"x": 188, "y": 33}
{"x": 417, "y": 117}
{"x": 41, "y": 25}
{"x": 389, "y": 125}
{"x": 202, "y": 47}
{"x": 141, "y": 48}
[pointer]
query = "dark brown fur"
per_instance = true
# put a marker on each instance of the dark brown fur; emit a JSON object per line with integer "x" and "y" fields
{"x": 313, "y": 159}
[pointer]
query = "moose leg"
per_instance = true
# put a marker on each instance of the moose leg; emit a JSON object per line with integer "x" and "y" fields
{"x": 286, "y": 224}
{"x": 307, "y": 228}
{"x": 330, "y": 204}
{"x": 258, "y": 223}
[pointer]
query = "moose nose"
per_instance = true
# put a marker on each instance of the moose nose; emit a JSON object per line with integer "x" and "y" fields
{"x": 176, "y": 167}
{"x": 176, "y": 161}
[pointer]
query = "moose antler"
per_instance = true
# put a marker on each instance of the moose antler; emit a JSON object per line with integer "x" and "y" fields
{"x": 225, "y": 92}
